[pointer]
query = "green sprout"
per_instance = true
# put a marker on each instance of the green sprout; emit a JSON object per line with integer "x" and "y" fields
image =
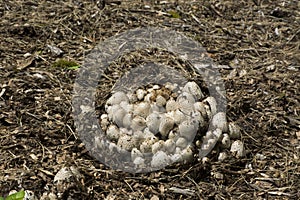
{"x": 16, "y": 196}
{"x": 174, "y": 14}
{"x": 66, "y": 64}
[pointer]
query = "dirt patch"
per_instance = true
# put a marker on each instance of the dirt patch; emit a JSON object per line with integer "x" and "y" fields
{"x": 257, "y": 40}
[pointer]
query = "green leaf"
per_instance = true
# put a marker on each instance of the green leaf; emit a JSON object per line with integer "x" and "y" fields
{"x": 1, "y": 198}
{"x": 65, "y": 64}
{"x": 16, "y": 196}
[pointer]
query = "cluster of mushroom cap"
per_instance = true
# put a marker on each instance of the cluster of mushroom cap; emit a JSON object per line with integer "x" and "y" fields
{"x": 163, "y": 121}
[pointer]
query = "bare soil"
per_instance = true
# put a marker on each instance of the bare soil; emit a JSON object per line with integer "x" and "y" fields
{"x": 257, "y": 40}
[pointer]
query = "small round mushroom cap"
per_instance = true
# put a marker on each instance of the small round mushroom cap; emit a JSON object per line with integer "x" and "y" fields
{"x": 160, "y": 159}
{"x": 138, "y": 123}
{"x": 234, "y": 130}
{"x": 104, "y": 121}
{"x": 140, "y": 93}
{"x": 153, "y": 122}
{"x": 186, "y": 107}
{"x": 132, "y": 97}
{"x": 126, "y": 106}
{"x": 199, "y": 107}
{"x": 160, "y": 100}
{"x": 170, "y": 146}
{"x": 158, "y": 146}
{"x": 226, "y": 141}
{"x": 187, "y": 154}
{"x": 142, "y": 109}
{"x": 111, "y": 110}
{"x": 118, "y": 117}
{"x": 194, "y": 89}
{"x": 222, "y": 156}
{"x": 185, "y": 96}
{"x": 127, "y": 120}
{"x": 238, "y": 149}
{"x": 188, "y": 129}
{"x": 126, "y": 142}
{"x": 219, "y": 121}
{"x": 178, "y": 116}
{"x": 135, "y": 153}
{"x": 117, "y": 98}
{"x": 146, "y": 146}
{"x": 181, "y": 142}
{"x": 113, "y": 132}
{"x": 166, "y": 124}
{"x": 171, "y": 105}
{"x": 211, "y": 101}
{"x": 139, "y": 161}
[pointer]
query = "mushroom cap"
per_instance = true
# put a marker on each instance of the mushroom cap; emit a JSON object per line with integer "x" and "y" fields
{"x": 118, "y": 116}
{"x": 194, "y": 89}
{"x": 170, "y": 146}
{"x": 126, "y": 142}
{"x": 234, "y": 130}
{"x": 188, "y": 129}
{"x": 211, "y": 101}
{"x": 160, "y": 100}
{"x": 153, "y": 122}
{"x": 158, "y": 146}
{"x": 135, "y": 153}
{"x": 160, "y": 159}
{"x": 113, "y": 132}
{"x": 181, "y": 142}
{"x": 171, "y": 105}
{"x": 127, "y": 120}
{"x": 238, "y": 149}
{"x": 142, "y": 109}
{"x": 140, "y": 93}
{"x": 138, "y": 123}
{"x": 166, "y": 124}
{"x": 219, "y": 121}
{"x": 117, "y": 98}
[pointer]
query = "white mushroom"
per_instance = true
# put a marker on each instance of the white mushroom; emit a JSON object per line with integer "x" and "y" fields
{"x": 181, "y": 142}
{"x": 166, "y": 124}
{"x": 158, "y": 146}
{"x": 211, "y": 101}
{"x": 127, "y": 120}
{"x": 142, "y": 109}
{"x": 117, "y": 98}
{"x": 139, "y": 161}
{"x": 132, "y": 97}
{"x": 113, "y": 132}
{"x": 178, "y": 116}
{"x": 187, "y": 154}
{"x": 219, "y": 121}
{"x": 138, "y": 123}
{"x": 104, "y": 121}
{"x": 140, "y": 93}
{"x": 126, "y": 142}
{"x": 170, "y": 146}
{"x": 171, "y": 105}
{"x": 226, "y": 141}
{"x": 160, "y": 100}
{"x": 111, "y": 110}
{"x": 194, "y": 89}
{"x": 222, "y": 156}
{"x": 238, "y": 149}
{"x": 126, "y": 106}
{"x": 148, "y": 97}
{"x": 153, "y": 122}
{"x": 146, "y": 146}
{"x": 188, "y": 129}
{"x": 160, "y": 159}
{"x": 234, "y": 130}
{"x": 135, "y": 153}
{"x": 154, "y": 108}
{"x": 118, "y": 116}
{"x": 199, "y": 106}
{"x": 185, "y": 96}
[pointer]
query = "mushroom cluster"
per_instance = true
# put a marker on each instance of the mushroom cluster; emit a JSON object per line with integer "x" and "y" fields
{"x": 163, "y": 121}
